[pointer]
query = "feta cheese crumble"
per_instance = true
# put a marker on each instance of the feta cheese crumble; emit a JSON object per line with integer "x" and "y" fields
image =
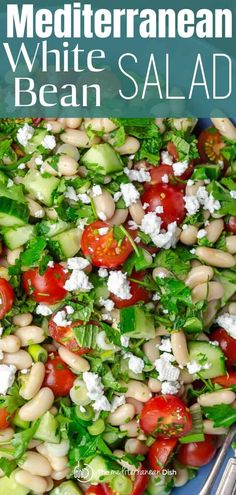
{"x": 165, "y": 179}
{"x": 103, "y": 272}
{"x": 77, "y": 263}
{"x": 171, "y": 388}
{"x": 124, "y": 341}
{"x": 117, "y": 401}
{"x": 165, "y": 345}
{"x": 137, "y": 175}
{"x": 95, "y": 390}
{"x": 166, "y": 158}
{"x": 201, "y": 233}
{"x": 194, "y": 367}
{"x": 166, "y": 370}
{"x": 78, "y": 281}
{"x": 60, "y": 319}
{"x": 24, "y": 134}
{"x": 228, "y": 322}
{"x": 233, "y": 194}
{"x": 96, "y": 191}
{"x": 108, "y": 304}
{"x": 7, "y": 376}
{"x": 119, "y": 285}
{"x": 130, "y": 194}
{"x": 49, "y": 142}
{"x": 179, "y": 168}
{"x": 43, "y": 309}
{"x": 39, "y": 160}
{"x": 135, "y": 363}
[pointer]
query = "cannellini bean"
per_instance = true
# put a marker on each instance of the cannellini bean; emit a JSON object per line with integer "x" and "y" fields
{"x": 21, "y": 359}
{"x": 132, "y": 428}
{"x": 137, "y": 212}
{"x": 50, "y": 483}
{"x": 189, "y": 236}
{"x": 58, "y": 463}
{"x": 30, "y": 335}
{"x": 181, "y": 476}
{"x": 6, "y": 434}
{"x": 161, "y": 272}
{"x": 161, "y": 330}
{"x": 124, "y": 413}
{"x": 210, "y": 312}
{"x": 36, "y": 464}
{"x": 67, "y": 166}
{"x": 135, "y": 446}
{"x": 58, "y": 449}
{"x": 51, "y": 213}
{"x": 10, "y": 343}
{"x": 130, "y": 146}
{"x": 32, "y": 382}
{"x": 79, "y": 393}
{"x": 136, "y": 403}
{"x": 31, "y": 481}
{"x": 214, "y": 229}
{"x": 69, "y": 150}
{"x": 13, "y": 255}
{"x": 161, "y": 124}
{"x": 55, "y": 126}
{"x": 208, "y": 427}
{"x": 37, "y": 406}
{"x": 214, "y": 398}
{"x": 208, "y": 291}
{"x": 192, "y": 190}
{"x": 154, "y": 385}
{"x": 73, "y": 123}
{"x": 138, "y": 390}
{"x": 60, "y": 475}
{"x": 104, "y": 205}
{"x": 97, "y": 124}
{"x": 151, "y": 350}
{"x": 231, "y": 244}
{"x": 78, "y": 363}
{"x": 78, "y": 138}
{"x": 119, "y": 217}
{"x": 34, "y": 443}
{"x": 199, "y": 275}
{"x": 215, "y": 257}
{"x": 225, "y": 126}
{"x": 179, "y": 347}
{"x": 185, "y": 376}
{"x": 232, "y": 308}
{"x": 22, "y": 320}
{"x": 36, "y": 210}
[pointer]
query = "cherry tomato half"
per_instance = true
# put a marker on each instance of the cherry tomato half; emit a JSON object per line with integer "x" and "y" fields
{"x": 158, "y": 172}
{"x": 160, "y": 452}
{"x": 230, "y": 225}
{"x": 197, "y": 454}
{"x": 210, "y": 143}
{"x": 48, "y": 287}
{"x": 137, "y": 291}
{"x": 65, "y": 336}
{"x": 165, "y": 416}
{"x": 170, "y": 198}
{"x": 226, "y": 380}
{"x": 226, "y": 343}
{"x": 6, "y": 297}
{"x": 58, "y": 377}
{"x": 104, "y": 250}
{"x": 95, "y": 490}
{"x": 4, "y": 416}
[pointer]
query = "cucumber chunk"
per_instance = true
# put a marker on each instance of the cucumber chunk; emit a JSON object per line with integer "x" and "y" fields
{"x": 136, "y": 323}
{"x": 48, "y": 429}
{"x": 35, "y": 141}
{"x": 65, "y": 245}
{"x": 12, "y": 213}
{"x": 14, "y": 238}
{"x": 199, "y": 350}
{"x": 41, "y": 188}
{"x": 99, "y": 469}
{"x": 54, "y": 228}
{"x": 196, "y": 433}
{"x": 103, "y": 158}
{"x": 9, "y": 486}
{"x": 66, "y": 488}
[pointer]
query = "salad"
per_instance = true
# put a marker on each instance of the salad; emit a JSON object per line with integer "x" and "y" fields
{"x": 117, "y": 303}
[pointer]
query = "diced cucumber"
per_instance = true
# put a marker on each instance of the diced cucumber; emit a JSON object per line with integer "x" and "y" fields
{"x": 54, "y": 228}
{"x": 228, "y": 279}
{"x": 196, "y": 433}
{"x": 48, "y": 429}
{"x": 193, "y": 325}
{"x": 12, "y": 213}
{"x": 66, "y": 488}
{"x": 204, "y": 352}
{"x": 14, "y": 238}
{"x": 103, "y": 158}
{"x": 99, "y": 469}
{"x": 121, "y": 484}
{"x": 65, "y": 245}
{"x": 36, "y": 140}
{"x": 136, "y": 323}
{"x": 160, "y": 485}
{"x": 8, "y": 486}
{"x": 41, "y": 188}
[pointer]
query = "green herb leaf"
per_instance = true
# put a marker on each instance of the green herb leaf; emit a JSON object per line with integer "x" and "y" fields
{"x": 221, "y": 414}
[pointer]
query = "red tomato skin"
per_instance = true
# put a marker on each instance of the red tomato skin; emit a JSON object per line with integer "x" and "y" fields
{"x": 4, "y": 415}
{"x": 48, "y": 287}
{"x": 167, "y": 413}
{"x": 95, "y": 490}
{"x": 168, "y": 196}
{"x": 226, "y": 380}
{"x": 160, "y": 452}
{"x": 58, "y": 377}
{"x": 171, "y": 148}
{"x": 7, "y": 297}
{"x": 65, "y": 336}
{"x": 227, "y": 344}
{"x": 197, "y": 454}
{"x": 140, "y": 482}
{"x": 137, "y": 291}
{"x": 102, "y": 249}
{"x": 158, "y": 172}
{"x": 210, "y": 143}
{"x": 230, "y": 225}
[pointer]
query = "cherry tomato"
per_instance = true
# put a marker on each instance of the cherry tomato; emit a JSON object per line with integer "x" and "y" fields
{"x": 48, "y": 287}
{"x": 4, "y": 416}
{"x": 6, "y": 297}
{"x": 170, "y": 198}
{"x": 65, "y": 336}
{"x": 104, "y": 250}
{"x": 226, "y": 343}
{"x": 140, "y": 482}
{"x": 95, "y": 490}
{"x": 37, "y": 121}
{"x": 210, "y": 144}
{"x": 230, "y": 225}
{"x": 226, "y": 380}
{"x": 58, "y": 377}
{"x": 158, "y": 172}
{"x": 197, "y": 454}
{"x": 160, "y": 452}
{"x": 165, "y": 416}
{"x": 137, "y": 291}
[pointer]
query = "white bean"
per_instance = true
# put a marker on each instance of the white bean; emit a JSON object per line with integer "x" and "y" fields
{"x": 210, "y": 312}
{"x": 208, "y": 291}
{"x": 179, "y": 347}
{"x": 161, "y": 330}
{"x": 138, "y": 406}
{"x": 192, "y": 190}
{"x": 35, "y": 483}
{"x": 30, "y": 335}
{"x": 214, "y": 229}
{"x": 135, "y": 446}
{"x": 232, "y": 308}
{"x": 225, "y": 126}
{"x": 70, "y": 150}
{"x": 13, "y": 255}
{"x": 189, "y": 236}
{"x": 124, "y": 413}
{"x": 6, "y": 434}
{"x": 138, "y": 390}
{"x": 208, "y": 427}
{"x": 214, "y": 398}
{"x": 50, "y": 483}
{"x": 119, "y": 217}
{"x": 22, "y": 320}
{"x": 154, "y": 385}
{"x": 132, "y": 428}
{"x": 10, "y": 343}
{"x": 37, "y": 406}
{"x": 181, "y": 476}
{"x": 21, "y": 359}
{"x": 36, "y": 464}
{"x": 67, "y": 166}
{"x": 151, "y": 350}
{"x": 51, "y": 213}
{"x": 73, "y": 123}
{"x": 231, "y": 244}
{"x": 185, "y": 376}
{"x": 199, "y": 275}
{"x": 130, "y": 146}
{"x": 137, "y": 212}
{"x": 32, "y": 382}
{"x": 58, "y": 463}
{"x": 97, "y": 124}
{"x": 58, "y": 449}
{"x": 215, "y": 257}
{"x": 36, "y": 210}
{"x": 161, "y": 124}
{"x": 78, "y": 363}
{"x": 78, "y": 138}
{"x": 59, "y": 475}
{"x": 104, "y": 205}
{"x": 55, "y": 126}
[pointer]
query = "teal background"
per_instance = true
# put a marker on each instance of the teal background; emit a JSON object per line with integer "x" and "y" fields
{"x": 182, "y": 54}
